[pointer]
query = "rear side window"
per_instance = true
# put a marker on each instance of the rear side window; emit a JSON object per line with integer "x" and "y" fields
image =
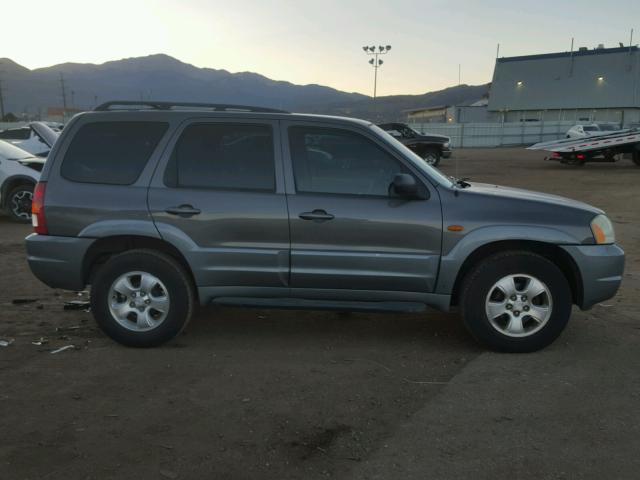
{"x": 112, "y": 153}
{"x": 223, "y": 156}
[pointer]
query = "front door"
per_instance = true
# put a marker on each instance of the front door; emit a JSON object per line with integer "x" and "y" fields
{"x": 348, "y": 232}
{"x": 219, "y": 197}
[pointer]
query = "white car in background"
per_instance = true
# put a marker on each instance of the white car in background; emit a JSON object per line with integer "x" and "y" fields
{"x": 19, "y": 173}
{"x": 593, "y": 129}
{"x": 36, "y": 138}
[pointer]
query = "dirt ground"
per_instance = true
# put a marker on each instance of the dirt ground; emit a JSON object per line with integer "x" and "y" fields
{"x": 290, "y": 394}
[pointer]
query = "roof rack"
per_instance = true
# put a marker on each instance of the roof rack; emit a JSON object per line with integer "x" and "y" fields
{"x": 216, "y": 107}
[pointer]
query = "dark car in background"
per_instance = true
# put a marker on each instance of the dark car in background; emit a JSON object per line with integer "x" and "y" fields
{"x": 430, "y": 147}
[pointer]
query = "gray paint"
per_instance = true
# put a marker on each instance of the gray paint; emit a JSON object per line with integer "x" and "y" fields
{"x": 601, "y": 268}
{"x": 254, "y": 245}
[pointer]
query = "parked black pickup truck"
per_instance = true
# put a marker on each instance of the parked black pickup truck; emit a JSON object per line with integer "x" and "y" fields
{"x": 430, "y": 147}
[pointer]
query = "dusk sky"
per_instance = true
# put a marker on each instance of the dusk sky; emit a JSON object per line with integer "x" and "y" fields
{"x": 310, "y": 41}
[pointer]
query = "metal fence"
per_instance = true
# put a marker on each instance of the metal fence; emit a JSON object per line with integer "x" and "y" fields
{"x": 496, "y": 134}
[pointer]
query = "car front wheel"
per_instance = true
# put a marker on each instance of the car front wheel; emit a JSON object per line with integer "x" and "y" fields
{"x": 19, "y": 203}
{"x": 516, "y": 302}
{"x": 432, "y": 157}
{"x": 142, "y": 298}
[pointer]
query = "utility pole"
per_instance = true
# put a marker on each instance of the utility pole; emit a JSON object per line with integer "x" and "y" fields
{"x": 64, "y": 94}
{"x": 1, "y": 101}
{"x": 1, "y": 97}
{"x": 376, "y": 63}
{"x": 459, "y": 74}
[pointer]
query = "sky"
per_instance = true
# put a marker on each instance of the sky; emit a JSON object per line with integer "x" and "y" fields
{"x": 315, "y": 41}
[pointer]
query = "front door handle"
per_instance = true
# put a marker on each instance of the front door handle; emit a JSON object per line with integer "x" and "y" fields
{"x": 183, "y": 211}
{"x": 317, "y": 215}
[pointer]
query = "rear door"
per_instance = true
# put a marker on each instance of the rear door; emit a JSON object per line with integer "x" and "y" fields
{"x": 218, "y": 195}
{"x": 348, "y": 234}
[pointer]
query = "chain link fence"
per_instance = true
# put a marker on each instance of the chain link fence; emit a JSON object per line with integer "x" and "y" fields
{"x": 496, "y": 134}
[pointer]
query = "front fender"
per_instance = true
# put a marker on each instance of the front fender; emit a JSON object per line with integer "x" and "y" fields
{"x": 451, "y": 262}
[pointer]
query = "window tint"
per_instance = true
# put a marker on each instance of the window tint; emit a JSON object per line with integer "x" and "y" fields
{"x": 339, "y": 161}
{"x": 113, "y": 153}
{"x": 230, "y": 156}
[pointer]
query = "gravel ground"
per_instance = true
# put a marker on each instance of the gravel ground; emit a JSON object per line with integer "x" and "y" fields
{"x": 290, "y": 394}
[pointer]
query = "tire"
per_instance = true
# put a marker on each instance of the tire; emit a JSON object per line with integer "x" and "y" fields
{"x": 18, "y": 203}
{"x": 170, "y": 290}
{"x": 480, "y": 295}
{"x": 574, "y": 162}
{"x": 635, "y": 157}
{"x": 431, "y": 156}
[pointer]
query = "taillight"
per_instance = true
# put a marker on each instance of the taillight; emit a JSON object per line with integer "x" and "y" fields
{"x": 37, "y": 209}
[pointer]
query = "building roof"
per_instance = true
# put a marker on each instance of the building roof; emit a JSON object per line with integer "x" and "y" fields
{"x": 600, "y": 78}
{"x": 576, "y": 53}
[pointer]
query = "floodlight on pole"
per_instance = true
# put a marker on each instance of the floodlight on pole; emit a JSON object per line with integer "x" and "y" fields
{"x": 376, "y": 62}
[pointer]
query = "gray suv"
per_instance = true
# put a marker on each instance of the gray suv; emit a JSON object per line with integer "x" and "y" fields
{"x": 158, "y": 206}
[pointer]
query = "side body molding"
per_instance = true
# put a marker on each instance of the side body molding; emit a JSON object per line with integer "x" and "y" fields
{"x": 112, "y": 228}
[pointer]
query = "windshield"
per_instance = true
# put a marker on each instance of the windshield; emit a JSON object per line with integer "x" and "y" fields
{"x": 408, "y": 132}
{"x": 432, "y": 172}
{"x": 11, "y": 152}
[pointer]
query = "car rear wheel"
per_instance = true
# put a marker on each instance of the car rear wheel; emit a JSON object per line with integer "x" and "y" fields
{"x": 431, "y": 156}
{"x": 516, "y": 302}
{"x": 19, "y": 203}
{"x": 142, "y": 298}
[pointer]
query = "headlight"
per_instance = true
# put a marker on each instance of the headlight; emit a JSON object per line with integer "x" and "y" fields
{"x": 602, "y": 230}
{"x": 446, "y": 145}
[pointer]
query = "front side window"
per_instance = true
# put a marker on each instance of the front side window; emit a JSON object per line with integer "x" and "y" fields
{"x": 223, "y": 156}
{"x": 112, "y": 153}
{"x": 337, "y": 161}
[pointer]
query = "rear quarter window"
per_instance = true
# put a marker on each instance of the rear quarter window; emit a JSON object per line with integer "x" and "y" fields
{"x": 112, "y": 153}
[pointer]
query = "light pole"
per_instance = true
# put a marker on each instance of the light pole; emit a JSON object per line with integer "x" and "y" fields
{"x": 376, "y": 62}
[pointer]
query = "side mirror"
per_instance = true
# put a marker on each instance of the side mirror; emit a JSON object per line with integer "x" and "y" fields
{"x": 405, "y": 185}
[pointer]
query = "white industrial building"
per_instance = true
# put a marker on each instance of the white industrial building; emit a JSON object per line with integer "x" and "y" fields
{"x": 599, "y": 85}
{"x": 536, "y": 98}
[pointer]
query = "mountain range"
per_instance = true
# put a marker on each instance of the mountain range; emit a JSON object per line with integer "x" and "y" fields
{"x": 161, "y": 77}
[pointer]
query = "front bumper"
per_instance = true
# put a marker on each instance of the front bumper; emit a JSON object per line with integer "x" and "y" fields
{"x": 58, "y": 261}
{"x": 601, "y": 268}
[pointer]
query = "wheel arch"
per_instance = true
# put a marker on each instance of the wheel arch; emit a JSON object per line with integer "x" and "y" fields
{"x": 550, "y": 251}
{"x": 106, "y": 247}
{"x": 12, "y": 182}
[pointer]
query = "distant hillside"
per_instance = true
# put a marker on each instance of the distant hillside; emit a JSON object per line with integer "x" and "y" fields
{"x": 394, "y": 107}
{"x": 161, "y": 77}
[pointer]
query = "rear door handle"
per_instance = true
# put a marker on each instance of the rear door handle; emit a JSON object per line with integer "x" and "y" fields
{"x": 317, "y": 215}
{"x": 183, "y": 211}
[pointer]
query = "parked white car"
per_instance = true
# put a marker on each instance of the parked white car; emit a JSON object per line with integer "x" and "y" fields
{"x": 36, "y": 138}
{"x": 19, "y": 172}
{"x": 582, "y": 131}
